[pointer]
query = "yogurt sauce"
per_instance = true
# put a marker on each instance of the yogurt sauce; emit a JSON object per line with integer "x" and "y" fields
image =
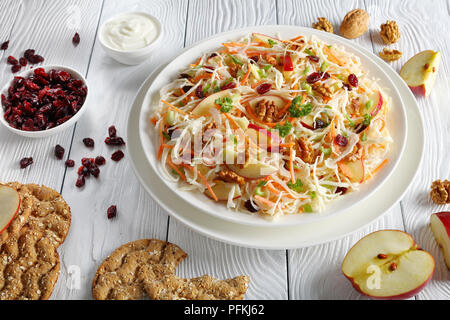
{"x": 130, "y": 31}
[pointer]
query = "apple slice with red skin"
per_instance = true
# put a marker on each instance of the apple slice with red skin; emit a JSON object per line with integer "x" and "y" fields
{"x": 9, "y": 206}
{"x": 354, "y": 170}
{"x": 440, "y": 225}
{"x": 264, "y": 138}
{"x": 253, "y": 171}
{"x": 388, "y": 264}
{"x": 222, "y": 189}
{"x": 420, "y": 71}
{"x": 265, "y": 39}
{"x": 377, "y": 99}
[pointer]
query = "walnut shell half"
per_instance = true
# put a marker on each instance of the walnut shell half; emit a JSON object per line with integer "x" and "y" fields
{"x": 355, "y": 24}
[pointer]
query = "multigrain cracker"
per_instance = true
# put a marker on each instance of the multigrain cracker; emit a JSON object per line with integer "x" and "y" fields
{"x": 148, "y": 267}
{"x": 26, "y": 206}
{"x": 29, "y": 261}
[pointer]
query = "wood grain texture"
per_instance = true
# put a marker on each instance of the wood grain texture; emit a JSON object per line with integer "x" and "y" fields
{"x": 267, "y": 269}
{"x": 315, "y": 272}
{"x": 418, "y": 34}
{"x": 93, "y": 237}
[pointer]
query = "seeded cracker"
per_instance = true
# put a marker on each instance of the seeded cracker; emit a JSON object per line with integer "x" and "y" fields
{"x": 29, "y": 262}
{"x": 147, "y": 267}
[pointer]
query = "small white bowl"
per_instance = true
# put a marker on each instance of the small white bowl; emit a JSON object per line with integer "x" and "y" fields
{"x": 130, "y": 57}
{"x": 45, "y": 133}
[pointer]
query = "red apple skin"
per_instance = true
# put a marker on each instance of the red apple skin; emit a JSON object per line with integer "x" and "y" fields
{"x": 15, "y": 214}
{"x": 419, "y": 90}
{"x": 405, "y": 295}
{"x": 445, "y": 219}
{"x": 378, "y": 106}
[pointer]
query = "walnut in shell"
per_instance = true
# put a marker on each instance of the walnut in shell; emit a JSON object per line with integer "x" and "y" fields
{"x": 355, "y": 24}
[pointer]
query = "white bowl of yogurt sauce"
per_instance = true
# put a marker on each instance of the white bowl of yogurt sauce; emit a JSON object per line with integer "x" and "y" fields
{"x": 130, "y": 37}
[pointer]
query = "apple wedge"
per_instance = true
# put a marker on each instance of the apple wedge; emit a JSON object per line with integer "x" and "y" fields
{"x": 270, "y": 41}
{"x": 222, "y": 190}
{"x": 202, "y": 109}
{"x": 9, "y": 206}
{"x": 440, "y": 225}
{"x": 420, "y": 71}
{"x": 252, "y": 171}
{"x": 377, "y": 103}
{"x": 354, "y": 170}
{"x": 388, "y": 264}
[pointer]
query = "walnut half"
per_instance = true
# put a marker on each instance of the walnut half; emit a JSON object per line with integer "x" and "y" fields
{"x": 323, "y": 24}
{"x": 390, "y": 55}
{"x": 389, "y": 32}
{"x": 440, "y": 192}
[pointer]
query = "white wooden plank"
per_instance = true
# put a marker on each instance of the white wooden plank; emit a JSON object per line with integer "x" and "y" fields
{"x": 267, "y": 269}
{"x": 424, "y": 26}
{"x": 92, "y": 236}
{"x": 314, "y": 273}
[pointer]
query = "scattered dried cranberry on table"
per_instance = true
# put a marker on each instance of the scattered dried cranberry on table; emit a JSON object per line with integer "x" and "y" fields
{"x": 59, "y": 152}
{"x": 89, "y": 142}
{"x": 76, "y": 39}
{"x": 100, "y": 160}
{"x": 112, "y": 212}
{"x": 43, "y": 100}
{"x": 70, "y": 163}
{"x": 117, "y": 156}
{"x": 4, "y": 45}
{"x": 25, "y": 162}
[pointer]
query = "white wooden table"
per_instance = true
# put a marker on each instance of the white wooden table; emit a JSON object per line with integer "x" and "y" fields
{"x": 310, "y": 273}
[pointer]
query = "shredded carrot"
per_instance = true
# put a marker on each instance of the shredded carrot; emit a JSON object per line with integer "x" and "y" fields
{"x": 173, "y": 107}
{"x": 264, "y": 200}
{"x": 154, "y": 121}
{"x": 378, "y": 168}
{"x": 208, "y": 186}
{"x": 332, "y": 57}
{"x": 185, "y": 100}
{"x": 296, "y": 38}
{"x": 174, "y": 167}
{"x": 383, "y": 123}
{"x": 202, "y": 76}
{"x": 247, "y": 74}
{"x": 304, "y": 96}
{"x": 196, "y": 63}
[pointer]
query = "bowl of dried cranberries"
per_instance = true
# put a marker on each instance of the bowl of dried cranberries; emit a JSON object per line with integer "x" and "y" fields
{"x": 43, "y": 101}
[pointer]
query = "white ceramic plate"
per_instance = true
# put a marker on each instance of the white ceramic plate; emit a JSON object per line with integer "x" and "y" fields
{"x": 397, "y": 125}
{"x": 287, "y": 237}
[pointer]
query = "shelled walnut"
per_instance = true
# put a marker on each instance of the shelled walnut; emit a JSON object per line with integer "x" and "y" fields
{"x": 390, "y": 54}
{"x": 389, "y": 32}
{"x": 323, "y": 24}
{"x": 440, "y": 192}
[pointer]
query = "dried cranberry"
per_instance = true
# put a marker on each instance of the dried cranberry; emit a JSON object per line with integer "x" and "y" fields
{"x": 341, "y": 190}
{"x": 114, "y": 141}
{"x": 89, "y": 142}
{"x": 314, "y": 58}
{"x": 341, "y": 140}
{"x": 25, "y": 162}
{"x": 254, "y": 59}
{"x": 263, "y": 88}
{"x": 184, "y": 76}
{"x": 12, "y": 60}
{"x": 59, "y": 152}
{"x": 212, "y": 55}
{"x": 83, "y": 171}
{"x": 186, "y": 88}
{"x": 199, "y": 92}
{"x": 80, "y": 181}
{"x": 88, "y": 162}
{"x": 70, "y": 163}
{"x": 318, "y": 124}
{"x": 100, "y": 160}
{"x": 117, "y": 156}
{"x": 34, "y": 59}
{"x": 250, "y": 207}
{"x": 16, "y": 68}
{"x": 94, "y": 170}
{"x": 112, "y": 131}
{"x": 23, "y": 62}
{"x": 230, "y": 85}
{"x": 28, "y": 54}
{"x": 313, "y": 77}
{"x": 347, "y": 86}
{"x": 4, "y": 45}
{"x": 76, "y": 39}
{"x": 353, "y": 80}
{"x": 111, "y": 212}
